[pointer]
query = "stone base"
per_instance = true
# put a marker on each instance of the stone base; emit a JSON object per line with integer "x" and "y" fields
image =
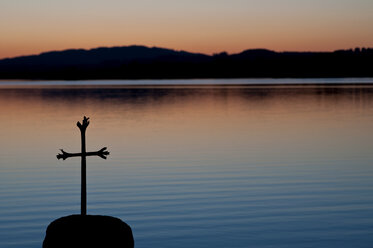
{"x": 88, "y": 231}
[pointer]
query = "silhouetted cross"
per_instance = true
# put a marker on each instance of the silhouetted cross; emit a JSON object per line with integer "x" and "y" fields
{"x": 101, "y": 153}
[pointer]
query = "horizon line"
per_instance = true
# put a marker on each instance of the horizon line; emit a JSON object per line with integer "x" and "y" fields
{"x": 181, "y": 50}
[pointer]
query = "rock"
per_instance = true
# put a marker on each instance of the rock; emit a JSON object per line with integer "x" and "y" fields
{"x": 88, "y": 231}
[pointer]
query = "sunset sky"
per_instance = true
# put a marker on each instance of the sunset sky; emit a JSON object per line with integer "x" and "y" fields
{"x": 207, "y": 26}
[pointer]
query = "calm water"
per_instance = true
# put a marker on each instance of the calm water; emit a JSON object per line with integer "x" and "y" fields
{"x": 193, "y": 166}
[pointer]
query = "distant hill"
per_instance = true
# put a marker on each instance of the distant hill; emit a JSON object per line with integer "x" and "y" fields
{"x": 101, "y": 56}
{"x": 140, "y": 62}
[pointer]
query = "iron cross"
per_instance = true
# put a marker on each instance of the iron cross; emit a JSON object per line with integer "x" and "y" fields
{"x": 101, "y": 153}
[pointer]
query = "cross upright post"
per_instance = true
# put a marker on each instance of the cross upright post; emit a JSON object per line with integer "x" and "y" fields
{"x": 83, "y": 128}
{"x": 83, "y": 154}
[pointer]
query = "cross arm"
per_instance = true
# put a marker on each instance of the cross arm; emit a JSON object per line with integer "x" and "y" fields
{"x": 64, "y": 155}
{"x": 101, "y": 153}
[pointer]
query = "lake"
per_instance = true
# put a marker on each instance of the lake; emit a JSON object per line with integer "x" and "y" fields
{"x": 210, "y": 163}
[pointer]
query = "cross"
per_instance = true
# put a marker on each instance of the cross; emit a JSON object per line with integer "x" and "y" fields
{"x": 101, "y": 153}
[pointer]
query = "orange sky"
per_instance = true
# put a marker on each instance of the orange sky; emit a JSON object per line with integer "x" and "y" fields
{"x": 207, "y": 26}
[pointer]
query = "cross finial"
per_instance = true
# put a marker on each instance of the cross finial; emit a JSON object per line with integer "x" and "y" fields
{"x": 85, "y": 124}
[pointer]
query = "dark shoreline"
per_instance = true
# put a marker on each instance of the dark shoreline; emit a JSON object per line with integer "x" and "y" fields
{"x": 24, "y": 84}
{"x": 138, "y": 62}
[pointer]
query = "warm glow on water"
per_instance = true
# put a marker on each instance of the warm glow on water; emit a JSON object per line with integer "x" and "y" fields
{"x": 212, "y": 166}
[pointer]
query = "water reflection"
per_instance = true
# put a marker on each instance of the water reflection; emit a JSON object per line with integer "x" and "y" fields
{"x": 171, "y": 117}
{"x": 167, "y": 94}
{"x": 284, "y": 166}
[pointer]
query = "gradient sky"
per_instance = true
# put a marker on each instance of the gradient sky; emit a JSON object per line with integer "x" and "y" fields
{"x": 207, "y": 26}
